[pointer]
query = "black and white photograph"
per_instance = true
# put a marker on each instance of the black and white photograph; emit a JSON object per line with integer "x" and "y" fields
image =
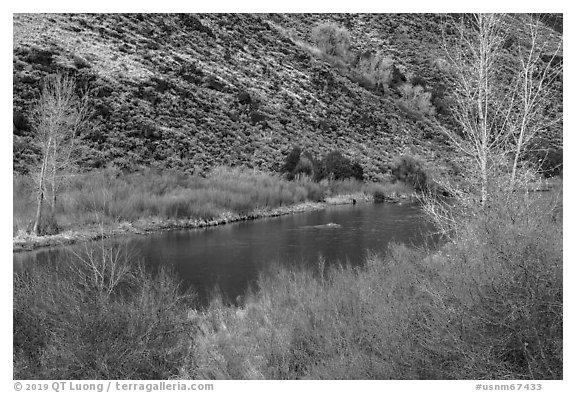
{"x": 287, "y": 196}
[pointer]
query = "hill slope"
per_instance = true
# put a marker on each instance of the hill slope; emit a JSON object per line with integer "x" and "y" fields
{"x": 196, "y": 91}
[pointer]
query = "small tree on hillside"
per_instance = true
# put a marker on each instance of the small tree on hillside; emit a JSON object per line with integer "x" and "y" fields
{"x": 58, "y": 118}
{"x": 291, "y": 161}
{"x": 336, "y": 166}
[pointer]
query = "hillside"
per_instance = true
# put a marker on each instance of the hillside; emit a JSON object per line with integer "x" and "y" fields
{"x": 196, "y": 91}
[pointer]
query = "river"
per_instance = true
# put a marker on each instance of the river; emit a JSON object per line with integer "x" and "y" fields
{"x": 231, "y": 256}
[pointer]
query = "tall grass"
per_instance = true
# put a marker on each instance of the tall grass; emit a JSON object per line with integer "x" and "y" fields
{"x": 107, "y": 197}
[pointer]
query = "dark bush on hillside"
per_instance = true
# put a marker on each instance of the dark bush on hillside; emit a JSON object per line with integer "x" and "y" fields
{"x": 306, "y": 165}
{"x": 417, "y": 80}
{"x": 291, "y": 161}
{"x": 397, "y": 78}
{"x": 299, "y": 162}
{"x": 357, "y": 171}
{"x": 332, "y": 39}
{"x": 410, "y": 171}
{"x": 335, "y": 166}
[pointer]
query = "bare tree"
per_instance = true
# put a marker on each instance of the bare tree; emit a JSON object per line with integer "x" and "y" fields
{"x": 498, "y": 99}
{"x": 479, "y": 105}
{"x": 57, "y": 119}
{"x": 539, "y": 67}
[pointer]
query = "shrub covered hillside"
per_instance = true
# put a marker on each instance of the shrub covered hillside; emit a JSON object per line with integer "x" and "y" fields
{"x": 196, "y": 91}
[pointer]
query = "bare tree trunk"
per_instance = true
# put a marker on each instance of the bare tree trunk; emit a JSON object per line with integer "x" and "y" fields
{"x": 484, "y": 181}
{"x": 38, "y": 220}
{"x": 515, "y": 164}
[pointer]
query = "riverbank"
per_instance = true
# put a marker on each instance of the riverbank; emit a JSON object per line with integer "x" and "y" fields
{"x": 28, "y": 242}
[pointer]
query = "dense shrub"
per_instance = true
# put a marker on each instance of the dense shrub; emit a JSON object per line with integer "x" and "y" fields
{"x": 99, "y": 315}
{"x": 299, "y": 162}
{"x": 305, "y": 166}
{"x": 332, "y": 40}
{"x": 389, "y": 191}
{"x": 335, "y": 166}
{"x": 376, "y": 69}
{"x": 291, "y": 161}
{"x": 416, "y": 99}
{"x": 357, "y": 172}
{"x": 410, "y": 171}
{"x": 397, "y": 78}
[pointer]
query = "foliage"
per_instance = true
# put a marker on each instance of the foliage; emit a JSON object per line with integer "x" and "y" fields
{"x": 291, "y": 161}
{"x": 376, "y": 68}
{"x": 389, "y": 191}
{"x": 487, "y": 305}
{"x": 335, "y": 166}
{"x": 332, "y": 39}
{"x": 332, "y": 166}
{"x": 410, "y": 171}
{"x": 416, "y": 99}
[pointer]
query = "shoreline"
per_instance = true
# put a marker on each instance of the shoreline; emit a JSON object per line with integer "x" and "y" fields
{"x": 151, "y": 225}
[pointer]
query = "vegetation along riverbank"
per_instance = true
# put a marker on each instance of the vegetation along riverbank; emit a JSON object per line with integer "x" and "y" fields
{"x": 104, "y": 204}
{"x": 488, "y": 304}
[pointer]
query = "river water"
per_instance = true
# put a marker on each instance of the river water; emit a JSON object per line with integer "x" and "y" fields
{"x": 231, "y": 256}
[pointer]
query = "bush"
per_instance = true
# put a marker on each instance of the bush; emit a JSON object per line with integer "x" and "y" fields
{"x": 300, "y": 162}
{"x": 376, "y": 69}
{"x": 291, "y": 161}
{"x": 305, "y": 166}
{"x": 357, "y": 171}
{"x": 410, "y": 171}
{"x": 388, "y": 191}
{"x": 416, "y": 99}
{"x": 335, "y": 166}
{"x": 99, "y": 315}
{"x": 332, "y": 40}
